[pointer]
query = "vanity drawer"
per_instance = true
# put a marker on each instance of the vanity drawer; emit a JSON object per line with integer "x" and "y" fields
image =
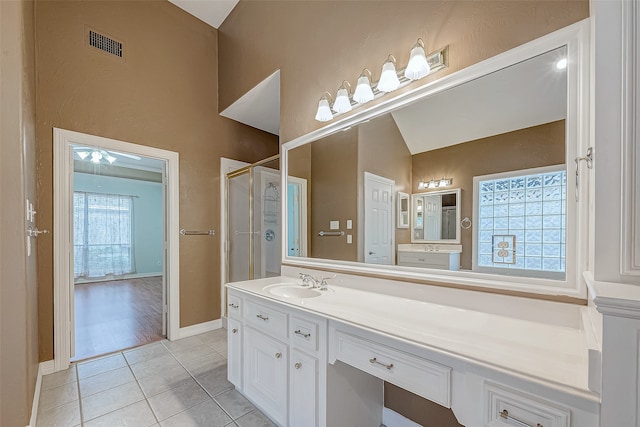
{"x": 303, "y": 333}
{"x": 234, "y": 306}
{"x": 507, "y": 406}
{"x": 421, "y": 376}
{"x": 440, "y": 260}
{"x": 266, "y": 318}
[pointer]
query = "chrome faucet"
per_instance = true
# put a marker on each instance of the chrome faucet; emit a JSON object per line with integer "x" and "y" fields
{"x": 320, "y": 284}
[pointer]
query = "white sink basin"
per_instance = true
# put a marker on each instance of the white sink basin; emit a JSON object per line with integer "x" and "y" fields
{"x": 291, "y": 290}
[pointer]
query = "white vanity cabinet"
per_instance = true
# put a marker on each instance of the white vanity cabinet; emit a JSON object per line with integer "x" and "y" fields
{"x": 423, "y": 256}
{"x": 277, "y": 359}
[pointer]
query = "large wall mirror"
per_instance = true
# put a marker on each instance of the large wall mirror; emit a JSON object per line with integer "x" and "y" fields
{"x": 499, "y": 134}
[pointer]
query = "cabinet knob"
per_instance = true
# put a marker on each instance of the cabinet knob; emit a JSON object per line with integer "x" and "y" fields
{"x": 298, "y": 365}
{"x": 234, "y": 330}
{"x": 278, "y": 355}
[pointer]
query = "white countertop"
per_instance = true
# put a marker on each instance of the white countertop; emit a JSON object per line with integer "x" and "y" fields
{"x": 555, "y": 354}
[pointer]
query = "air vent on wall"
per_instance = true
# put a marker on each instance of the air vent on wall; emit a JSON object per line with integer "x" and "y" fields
{"x": 105, "y": 43}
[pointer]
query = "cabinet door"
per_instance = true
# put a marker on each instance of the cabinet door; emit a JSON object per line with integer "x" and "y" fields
{"x": 304, "y": 390}
{"x": 265, "y": 373}
{"x": 234, "y": 353}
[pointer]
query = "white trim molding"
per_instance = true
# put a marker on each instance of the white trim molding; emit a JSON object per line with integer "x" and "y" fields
{"x": 391, "y": 418}
{"x": 630, "y": 132}
{"x": 199, "y": 328}
{"x": 44, "y": 368}
{"x": 63, "y": 140}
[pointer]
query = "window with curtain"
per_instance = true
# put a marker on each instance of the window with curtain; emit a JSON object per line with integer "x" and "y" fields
{"x": 102, "y": 235}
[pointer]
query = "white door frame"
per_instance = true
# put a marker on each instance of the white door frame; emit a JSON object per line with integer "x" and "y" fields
{"x": 63, "y": 247}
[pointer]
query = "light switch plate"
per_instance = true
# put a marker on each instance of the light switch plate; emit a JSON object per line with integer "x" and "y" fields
{"x": 349, "y": 224}
{"x": 334, "y": 225}
{"x": 349, "y": 238}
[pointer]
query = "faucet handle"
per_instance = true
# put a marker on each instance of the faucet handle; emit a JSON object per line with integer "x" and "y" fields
{"x": 306, "y": 278}
{"x": 323, "y": 282}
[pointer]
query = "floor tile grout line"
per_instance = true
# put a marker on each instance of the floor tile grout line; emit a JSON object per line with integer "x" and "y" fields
{"x": 146, "y": 399}
{"x": 203, "y": 388}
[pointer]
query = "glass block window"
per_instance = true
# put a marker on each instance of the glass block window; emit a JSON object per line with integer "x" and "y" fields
{"x": 521, "y": 222}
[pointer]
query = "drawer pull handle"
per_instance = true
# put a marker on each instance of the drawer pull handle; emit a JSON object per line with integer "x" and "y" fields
{"x": 505, "y": 415}
{"x": 260, "y": 316}
{"x": 374, "y": 360}
{"x": 299, "y": 332}
{"x": 232, "y": 305}
{"x": 234, "y": 330}
{"x": 278, "y": 355}
{"x": 298, "y": 365}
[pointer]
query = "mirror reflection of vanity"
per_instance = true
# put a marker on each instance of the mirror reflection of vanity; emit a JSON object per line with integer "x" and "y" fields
{"x": 499, "y": 136}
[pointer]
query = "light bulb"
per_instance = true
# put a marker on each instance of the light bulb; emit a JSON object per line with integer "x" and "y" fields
{"x": 561, "y": 64}
{"x": 96, "y": 156}
{"x": 363, "y": 92}
{"x": 432, "y": 184}
{"x": 324, "y": 113}
{"x": 343, "y": 103}
{"x": 389, "y": 78}
{"x": 418, "y": 66}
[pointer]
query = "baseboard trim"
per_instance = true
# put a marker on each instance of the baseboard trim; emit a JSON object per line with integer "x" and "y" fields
{"x": 44, "y": 368}
{"x": 199, "y": 328}
{"x": 391, "y": 418}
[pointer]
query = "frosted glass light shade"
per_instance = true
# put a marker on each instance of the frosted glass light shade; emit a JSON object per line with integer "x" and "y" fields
{"x": 83, "y": 154}
{"x": 342, "y": 104}
{"x": 418, "y": 67}
{"x": 96, "y": 156}
{"x": 363, "y": 92}
{"x": 324, "y": 113}
{"x": 110, "y": 159}
{"x": 389, "y": 78}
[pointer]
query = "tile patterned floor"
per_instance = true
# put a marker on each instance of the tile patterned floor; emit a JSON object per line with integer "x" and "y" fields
{"x": 167, "y": 383}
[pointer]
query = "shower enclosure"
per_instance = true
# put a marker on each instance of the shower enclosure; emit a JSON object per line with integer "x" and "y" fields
{"x": 254, "y": 221}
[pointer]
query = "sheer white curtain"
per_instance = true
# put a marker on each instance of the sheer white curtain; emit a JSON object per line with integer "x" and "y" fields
{"x": 102, "y": 235}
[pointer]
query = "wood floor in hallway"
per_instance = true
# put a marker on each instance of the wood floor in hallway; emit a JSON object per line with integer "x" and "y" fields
{"x": 115, "y": 315}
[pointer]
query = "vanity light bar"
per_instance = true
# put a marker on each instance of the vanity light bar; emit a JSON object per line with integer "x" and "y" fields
{"x": 435, "y": 183}
{"x": 437, "y": 61}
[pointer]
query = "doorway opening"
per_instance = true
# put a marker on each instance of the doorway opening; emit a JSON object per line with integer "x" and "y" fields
{"x": 95, "y": 241}
{"x": 118, "y": 262}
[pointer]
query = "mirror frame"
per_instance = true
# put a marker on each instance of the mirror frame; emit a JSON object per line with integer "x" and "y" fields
{"x": 401, "y": 223}
{"x": 576, "y": 38}
{"x": 456, "y": 241}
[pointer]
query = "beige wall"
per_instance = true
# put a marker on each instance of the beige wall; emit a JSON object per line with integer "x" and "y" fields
{"x": 317, "y": 44}
{"x": 383, "y": 152}
{"x": 333, "y": 195}
{"x": 163, "y": 94}
{"x": 18, "y": 284}
{"x": 522, "y": 149}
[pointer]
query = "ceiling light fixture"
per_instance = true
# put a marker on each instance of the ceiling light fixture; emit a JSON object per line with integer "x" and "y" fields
{"x": 363, "y": 92}
{"x": 561, "y": 64}
{"x": 324, "y": 113}
{"x": 343, "y": 102}
{"x": 418, "y": 66}
{"x": 389, "y": 80}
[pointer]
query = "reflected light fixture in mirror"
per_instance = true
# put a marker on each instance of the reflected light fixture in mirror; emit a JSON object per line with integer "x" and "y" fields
{"x": 324, "y": 113}
{"x": 389, "y": 78}
{"x": 343, "y": 103}
{"x": 561, "y": 64}
{"x": 363, "y": 92}
{"x": 441, "y": 183}
{"x": 418, "y": 66}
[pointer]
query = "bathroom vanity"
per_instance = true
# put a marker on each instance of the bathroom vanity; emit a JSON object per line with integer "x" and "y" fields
{"x": 304, "y": 356}
{"x": 430, "y": 256}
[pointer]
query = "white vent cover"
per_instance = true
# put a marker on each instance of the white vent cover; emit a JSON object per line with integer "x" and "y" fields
{"x": 105, "y": 43}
